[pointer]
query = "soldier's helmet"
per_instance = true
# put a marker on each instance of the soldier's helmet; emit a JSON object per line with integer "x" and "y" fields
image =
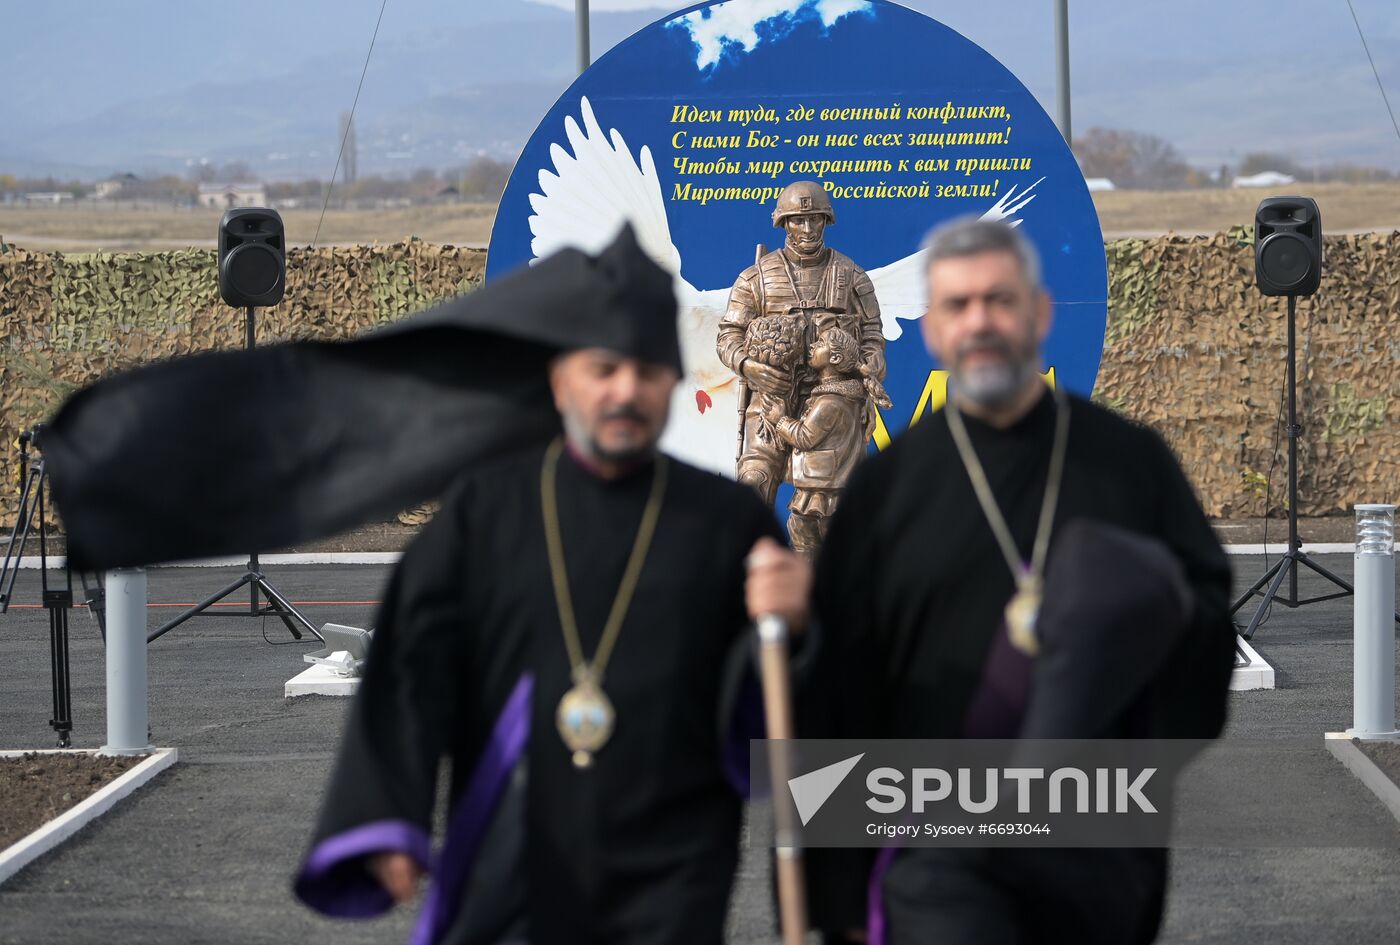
{"x": 803, "y": 196}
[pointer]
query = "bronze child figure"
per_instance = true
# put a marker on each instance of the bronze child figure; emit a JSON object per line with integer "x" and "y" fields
{"x": 830, "y": 437}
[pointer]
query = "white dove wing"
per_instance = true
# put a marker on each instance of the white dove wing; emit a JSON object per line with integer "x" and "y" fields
{"x": 595, "y": 186}
{"x": 594, "y": 190}
{"x": 900, "y": 290}
{"x": 899, "y": 287}
{"x": 700, "y": 313}
{"x": 704, "y": 410}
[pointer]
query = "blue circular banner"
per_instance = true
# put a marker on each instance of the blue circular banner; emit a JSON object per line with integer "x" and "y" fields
{"x": 691, "y": 127}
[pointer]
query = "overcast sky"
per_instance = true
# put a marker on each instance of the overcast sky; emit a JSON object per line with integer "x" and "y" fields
{"x": 92, "y": 88}
{"x": 1218, "y": 78}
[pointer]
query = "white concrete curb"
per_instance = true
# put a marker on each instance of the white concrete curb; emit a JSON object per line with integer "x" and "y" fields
{"x": 25, "y": 850}
{"x": 1311, "y": 547}
{"x": 320, "y": 681}
{"x": 1257, "y": 675}
{"x": 1376, "y": 781}
{"x": 31, "y": 562}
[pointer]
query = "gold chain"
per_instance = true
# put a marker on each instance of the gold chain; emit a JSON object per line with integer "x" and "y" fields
{"x": 988, "y": 501}
{"x": 562, "y": 598}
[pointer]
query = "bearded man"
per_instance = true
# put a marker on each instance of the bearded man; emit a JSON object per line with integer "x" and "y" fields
{"x": 1022, "y": 564}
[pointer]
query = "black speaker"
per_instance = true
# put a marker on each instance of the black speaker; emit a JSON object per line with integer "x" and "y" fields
{"x": 1288, "y": 246}
{"x": 252, "y": 257}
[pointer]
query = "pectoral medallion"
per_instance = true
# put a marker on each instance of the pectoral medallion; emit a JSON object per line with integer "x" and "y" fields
{"x": 585, "y": 719}
{"x": 1022, "y": 613}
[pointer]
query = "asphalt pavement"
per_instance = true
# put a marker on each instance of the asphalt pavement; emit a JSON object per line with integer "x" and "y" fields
{"x": 205, "y": 853}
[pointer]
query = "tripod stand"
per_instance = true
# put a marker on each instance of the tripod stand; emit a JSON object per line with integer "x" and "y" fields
{"x": 1287, "y": 565}
{"x": 57, "y": 600}
{"x": 253, "y": 578}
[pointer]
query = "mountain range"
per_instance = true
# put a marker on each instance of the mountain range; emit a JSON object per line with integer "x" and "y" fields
{"x": 157, "y": 86}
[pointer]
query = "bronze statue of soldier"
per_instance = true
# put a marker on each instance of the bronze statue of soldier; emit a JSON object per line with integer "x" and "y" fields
{"x": 777, "y": 309}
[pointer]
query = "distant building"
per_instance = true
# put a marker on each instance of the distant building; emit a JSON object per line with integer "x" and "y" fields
{"x": 1263, "y": 179}
{"x": 106, "y": 189}
{"x": 1099, "y": 183}
{"x": 230, "y": 196}
{"x": 57, "y": 196}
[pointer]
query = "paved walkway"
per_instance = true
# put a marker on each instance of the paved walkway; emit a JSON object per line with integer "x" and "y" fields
{"x": 205, "y": 853}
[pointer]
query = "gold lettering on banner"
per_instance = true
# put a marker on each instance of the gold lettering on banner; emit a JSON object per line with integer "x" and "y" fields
{"x": 844, "y": 145}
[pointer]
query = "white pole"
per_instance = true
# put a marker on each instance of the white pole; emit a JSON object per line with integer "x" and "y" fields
{"x": 127, "y": 721}
{"x": 1373, "y": 653}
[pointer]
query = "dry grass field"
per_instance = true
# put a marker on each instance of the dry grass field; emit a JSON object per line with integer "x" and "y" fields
{"x": 1346, "y": 208}
{"x": 123, "y": 228}
{"x": 90, "y": 227}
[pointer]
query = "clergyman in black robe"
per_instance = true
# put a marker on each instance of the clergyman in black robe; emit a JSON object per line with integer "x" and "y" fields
{"x": 468, "y": 661}
{"x": 635, "y": 843}
{"x": 910, "y": 592}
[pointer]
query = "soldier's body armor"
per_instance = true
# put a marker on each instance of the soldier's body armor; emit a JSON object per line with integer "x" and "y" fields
{"x": 830, "y": 290}
{"x": 823, "y": 288}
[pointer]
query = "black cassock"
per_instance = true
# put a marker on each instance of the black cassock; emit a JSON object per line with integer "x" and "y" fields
{"x": 1136, "y": 642}
{"x": 469, "y": 663}
{"x": 231, "y": 451}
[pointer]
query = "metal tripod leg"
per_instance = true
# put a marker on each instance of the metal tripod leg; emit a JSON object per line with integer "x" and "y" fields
{"x": 57, "y": 603}
{"x": 208, "y": 602}
{"x": 1279, "y": 572}
{"x": 285, "y": 610}
{"x": 280, "y": 607}
{"x": 24, "y": 519}
{"x": 1257, "y": 584}
{"x": 1303, "y": 558}
{"x": 1332, "y": 577}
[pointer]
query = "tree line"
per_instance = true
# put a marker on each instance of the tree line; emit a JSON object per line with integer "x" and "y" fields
{"x": 1130, "y": 159}
{"x": 479, "y": 179}
{"x": 1135, "y": 160}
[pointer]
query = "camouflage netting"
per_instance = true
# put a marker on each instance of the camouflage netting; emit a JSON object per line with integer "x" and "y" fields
{"x": 1192, "y": 348}
{"x": 66, "y": 320}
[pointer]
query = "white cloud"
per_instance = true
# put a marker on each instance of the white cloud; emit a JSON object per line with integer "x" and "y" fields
{"x": 735, "y": 23}
{"x": 833, "y": 10}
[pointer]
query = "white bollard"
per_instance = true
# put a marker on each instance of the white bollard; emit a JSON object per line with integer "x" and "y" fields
{"x": 127, "y": 721}
{"x": 1373, "y": 648}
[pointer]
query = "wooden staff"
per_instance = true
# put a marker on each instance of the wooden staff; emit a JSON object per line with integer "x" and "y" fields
{"x": 777, "y": 709}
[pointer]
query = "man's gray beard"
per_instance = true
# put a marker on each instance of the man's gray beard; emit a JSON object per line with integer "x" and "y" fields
{"x": 993, "y": 385}
{"x": 583, "y": 441}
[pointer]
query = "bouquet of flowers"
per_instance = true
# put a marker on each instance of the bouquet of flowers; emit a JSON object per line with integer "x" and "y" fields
{"x": 774, "y": 340}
